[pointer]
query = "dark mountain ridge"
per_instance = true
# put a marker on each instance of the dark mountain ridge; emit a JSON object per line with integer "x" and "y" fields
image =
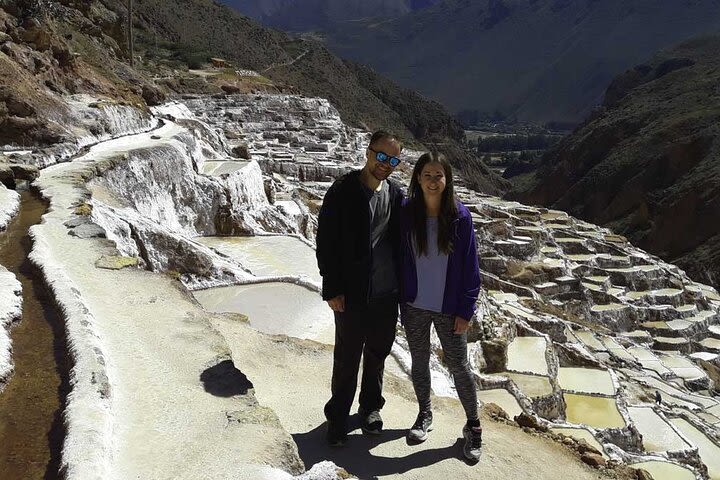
{"x": 532, "y": 60}
{"x": 647, "y": 164}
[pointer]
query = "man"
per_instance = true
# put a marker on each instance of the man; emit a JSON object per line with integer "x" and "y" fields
{"x": 358, "y": 244}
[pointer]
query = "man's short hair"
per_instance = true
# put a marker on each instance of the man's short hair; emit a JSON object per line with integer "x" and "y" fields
{"x": 383, "y": 134}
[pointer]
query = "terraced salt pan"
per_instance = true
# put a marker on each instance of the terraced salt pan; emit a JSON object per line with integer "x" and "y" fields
{"x": 598, "y": 412}
{"x": 709, "y": 417}
{"x": 503, "y": 399}
{"x": 711, "y": 343}
{"x": 268, "y": 256}
{"x": 636, "y": 295}
{"x": 531, "y": 385}
{"x": 586, "y": 380}
{"x": 301, "y": 313}
{"x": 527, "y": 354}
{"x": 709, "y": 451}
{"x": 682, "y": 367}
{"x": 608, "y": 307}
{"x": 665, "y": 470}
{"x": 590, "y": 340}
{"x": 581, "y": 434}
{"x": 658, "y": 436}
{"x": 701, "y": 400}
{"x": 503, "y": 296}
{"x": 217, "y": 168}
{"x": 648, "y": 360}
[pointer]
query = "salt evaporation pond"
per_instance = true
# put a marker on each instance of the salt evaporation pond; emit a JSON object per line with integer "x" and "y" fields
{"x": 531, "y": 385}
{"x": 581, "y": 434}
{"x": 275, "y": 308}
{"x": 657, "y": 434}
{"x": 665, "y": 470}
{"x": 709, "y": 452}
{"x": 268, "y": 255}
{"x": 527, "y": 354}
{"x": 586, "y": 380}
{"x": 598, "y": 412}
{"x": 503, "y": 399}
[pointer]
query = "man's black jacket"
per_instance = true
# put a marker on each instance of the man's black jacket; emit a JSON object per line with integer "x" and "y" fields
{"x": 344, "y": 251}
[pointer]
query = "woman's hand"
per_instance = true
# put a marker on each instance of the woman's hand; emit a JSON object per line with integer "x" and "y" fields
{"x": 461, "y": 326}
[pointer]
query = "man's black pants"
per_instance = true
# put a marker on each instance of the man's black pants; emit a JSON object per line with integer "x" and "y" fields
{"x": 369, "y": 332}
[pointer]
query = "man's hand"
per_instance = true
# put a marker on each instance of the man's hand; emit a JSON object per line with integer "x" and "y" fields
{"x": 461, "y": 326}
{"x": 337, "y": 304}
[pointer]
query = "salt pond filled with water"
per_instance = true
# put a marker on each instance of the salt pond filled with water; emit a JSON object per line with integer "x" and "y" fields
{"x": 598, "y": 412}
{"x": 503, "y": 399}
{"x": 268, "y": 256}
{"x": 527, "y": 354}
{"x": 709, "y": 452}
{"x": 666, "y": 470}
{"x": 586, "y": 380}
{"x": 275, "y": 308}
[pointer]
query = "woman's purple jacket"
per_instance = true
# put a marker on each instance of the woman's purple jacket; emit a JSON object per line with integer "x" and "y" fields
{"x": 462, "y": 283}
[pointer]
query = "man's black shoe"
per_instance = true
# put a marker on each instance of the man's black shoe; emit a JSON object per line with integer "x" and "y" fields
{"x": 371, "y": 422}
{"x": 336, "y": 437}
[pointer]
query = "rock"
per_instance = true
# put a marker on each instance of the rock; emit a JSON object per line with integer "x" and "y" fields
{"x": 230, "y": 89}
{"x": 4, "y": 37}
{"x": 76, "y": 221}
{"x": 88, "y": 230}
{"x": 25, "y": 172}
{"x": 594, "y": 460}
{"x": 495, "y": 411}
{"x": 641, "y": 474}
{"x": 584, "y": 447}
{"x": 495, "y": 353}
{"x": 116, "y": 262}
{"x": 527, "y": 421}
{"x": 7, "y": 177}
{"x": 63, "y": 55}
{"x": 152, "y": 95}
{"x": 241, "y": 151}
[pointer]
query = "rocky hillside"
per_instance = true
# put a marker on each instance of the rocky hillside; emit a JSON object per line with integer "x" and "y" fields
{"x": 648, "y": 164}
{"x": 53, "y": 49}
{"x": 537, "y": 60}
{"x": 297, "y": 15}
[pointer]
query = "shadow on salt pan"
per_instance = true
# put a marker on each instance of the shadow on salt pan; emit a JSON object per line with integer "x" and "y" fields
{"x": 225, "y": 380}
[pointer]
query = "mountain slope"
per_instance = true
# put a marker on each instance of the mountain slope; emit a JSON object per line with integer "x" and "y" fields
{"x": 538, "y": 60}
{"x": 648, "y": 165}
{"x": 303, "y": 15}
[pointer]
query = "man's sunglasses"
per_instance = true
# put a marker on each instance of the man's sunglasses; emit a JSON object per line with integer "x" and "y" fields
{"x": 383, "y": 157}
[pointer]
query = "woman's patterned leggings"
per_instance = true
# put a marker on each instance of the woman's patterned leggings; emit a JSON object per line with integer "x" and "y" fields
{"x": 417, "y": 324}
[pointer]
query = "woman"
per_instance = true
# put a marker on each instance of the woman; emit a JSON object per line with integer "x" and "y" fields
{"x": 440, "y": 286}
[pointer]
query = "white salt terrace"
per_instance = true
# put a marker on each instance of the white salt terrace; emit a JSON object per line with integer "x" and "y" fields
{"x": 218, "y": 168}
{"x": 665, "y": 470}
{"x": 268, "y": 255}
{"x": 590, "y": 340}
{"x": 275, "y": 308}
{"x": 682, "y": 367}
{"x": 699, "y": 400}
{"x": 648, "y": 360}
{"x": 658, "y": 435}
{"x": 711, "y": 344}
{"x": 531, "y": 385}
{"x": 527, "y": 355}
{"x": 709, "y": 451}
{"x": 586, "y": 380}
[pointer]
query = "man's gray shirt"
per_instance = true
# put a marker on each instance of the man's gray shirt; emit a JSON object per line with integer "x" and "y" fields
{"x": 383, "y": 278}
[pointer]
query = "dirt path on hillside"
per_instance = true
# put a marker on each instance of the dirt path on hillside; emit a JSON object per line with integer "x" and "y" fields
{"x": 293, "y": 376}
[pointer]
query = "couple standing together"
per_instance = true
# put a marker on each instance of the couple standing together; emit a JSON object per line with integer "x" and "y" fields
{"x": 375, "y": 250}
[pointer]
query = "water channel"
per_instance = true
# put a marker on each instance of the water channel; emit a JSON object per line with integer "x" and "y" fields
{"x": 31, "y": 429}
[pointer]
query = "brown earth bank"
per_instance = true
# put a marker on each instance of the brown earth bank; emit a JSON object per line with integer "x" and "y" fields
{"x": 647, "y": 163}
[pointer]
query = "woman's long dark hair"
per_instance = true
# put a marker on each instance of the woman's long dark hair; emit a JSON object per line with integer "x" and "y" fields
{"x": 448, "y": 209}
